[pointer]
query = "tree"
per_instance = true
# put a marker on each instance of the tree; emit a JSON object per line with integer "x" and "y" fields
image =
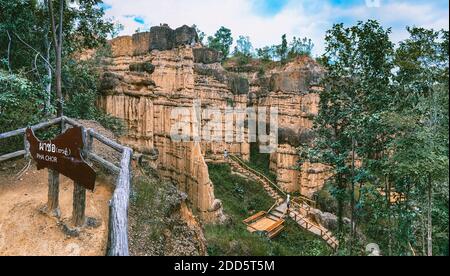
{"x": 244, "y": 47}
{"x": 28, "y": 42}
{"x": 266, "y": 53}
{"x": 358, "y": 61}
{"x": 300, "y": 47}
{"x": 221, "y": 41}
{"x": 282, "y": 50}
{"x": 57, "y": 32}
{"x": 201, "y": 34}
{"x": 420, "y": 147}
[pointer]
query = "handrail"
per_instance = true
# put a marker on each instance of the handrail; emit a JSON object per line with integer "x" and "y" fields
{"x": 324, "y": 233}
{"x": 119, "y": 203}
{"x": 237, "y": 159}
{"x": 22, "y": 131}
{"x": 305, "y": 200}
{"x": 273, "y": 207}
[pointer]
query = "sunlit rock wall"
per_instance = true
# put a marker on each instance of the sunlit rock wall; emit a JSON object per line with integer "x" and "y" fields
{"x": 294, "y": 90}
{"x": 150, "y": 74}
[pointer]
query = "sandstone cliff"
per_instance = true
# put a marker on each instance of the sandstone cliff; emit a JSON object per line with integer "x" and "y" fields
{"x": 149, "y": 74}
{"x": 294, "y": 89}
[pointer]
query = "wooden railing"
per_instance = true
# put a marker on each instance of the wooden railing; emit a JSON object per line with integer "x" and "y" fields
{"x": 326, "y": 235}
{"x": 273, "y": 207}
{"x": 118, "y": 205}
{"x": 302, "y": 204}
{"x": 247, "y": 167}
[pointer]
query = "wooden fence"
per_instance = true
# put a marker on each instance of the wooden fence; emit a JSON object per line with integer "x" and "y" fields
{"x": 118, "y": 205}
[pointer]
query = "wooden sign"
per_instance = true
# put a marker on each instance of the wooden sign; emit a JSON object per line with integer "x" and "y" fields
{"x": 63, "y": 154}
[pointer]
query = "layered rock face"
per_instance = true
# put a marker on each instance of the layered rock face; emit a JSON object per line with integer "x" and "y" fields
{"x": 151, "y": 74}
{"x": 294, "y": 90}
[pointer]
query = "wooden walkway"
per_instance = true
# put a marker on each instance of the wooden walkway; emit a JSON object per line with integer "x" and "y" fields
{"x": 269, "y": 223}
{"x": 299, "y": 212}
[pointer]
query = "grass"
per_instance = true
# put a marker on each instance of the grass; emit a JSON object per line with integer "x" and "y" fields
{"x": 241, "y": 199}
{"x": 260, "y": 162}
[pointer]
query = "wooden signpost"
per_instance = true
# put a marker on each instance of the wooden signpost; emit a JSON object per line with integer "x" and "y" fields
{"x": 77, "y": 148}
{"x": 63, "y": 155}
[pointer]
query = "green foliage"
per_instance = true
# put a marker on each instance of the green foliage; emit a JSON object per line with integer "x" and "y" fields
{"x": 81, "y": 93}
{"x": 282, "y": 50}
{"x": 20, "y": 105}
{"x": 265, "y": 54}
{"x": 260, "y": 162}
{"x": 28, "y": 48}
{"x": 242, "y": 198}
{"x": 243, "y": 50}
{"x": 244, "y": 46}
{"x": 389, "y": 107}
{"x": 286, "y": 51}
{"x": 300, "y": 47}
{"x": 221, "y": 41}
{"x": 358, "y": 62}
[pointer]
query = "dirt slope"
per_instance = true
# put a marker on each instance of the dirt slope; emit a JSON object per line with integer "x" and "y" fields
{"x": 24, "y": 230}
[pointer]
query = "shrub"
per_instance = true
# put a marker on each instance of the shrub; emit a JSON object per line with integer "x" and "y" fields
{"x": 21, "y": 104}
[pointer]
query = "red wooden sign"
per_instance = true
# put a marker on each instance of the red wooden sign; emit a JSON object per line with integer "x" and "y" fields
{"x": 63, "y": 154}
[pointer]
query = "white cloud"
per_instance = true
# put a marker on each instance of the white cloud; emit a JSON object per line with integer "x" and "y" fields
{"x": 298, "y": 18}
{"x": 398, "y": 15}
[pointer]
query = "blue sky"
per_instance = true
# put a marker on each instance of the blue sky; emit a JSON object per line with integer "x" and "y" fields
{"x": 265, "y": 21}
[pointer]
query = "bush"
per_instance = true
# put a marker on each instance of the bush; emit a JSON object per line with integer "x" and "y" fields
{"x": 81, "y": 91}
{"x": 21, "y": 105}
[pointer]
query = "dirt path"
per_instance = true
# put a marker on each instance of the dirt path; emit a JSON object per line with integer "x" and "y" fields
{"x": 25, "y": 231}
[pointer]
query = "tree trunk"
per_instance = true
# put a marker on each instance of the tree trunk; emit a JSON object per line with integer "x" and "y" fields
{"x": 352, "y": 200}
{"x": 9, "y": 51}
{"x": 430, "y": 222}
{"x": 340, "y": 213}
{"x": 388, "y": 202}
{"x": 53, "y": 194}
{"x": 48, "y": 86}
{"x": 57, "y": 41}
{"x": 79, "y": 205}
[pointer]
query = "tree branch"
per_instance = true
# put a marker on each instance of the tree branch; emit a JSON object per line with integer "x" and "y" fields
{"x": 9, "y": 51}
{"x": 60, "y": 31}
{"x": 36, "y": 51}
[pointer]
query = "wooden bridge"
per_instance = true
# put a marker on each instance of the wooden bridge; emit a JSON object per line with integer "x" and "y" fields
{"x": 300, "y": 210}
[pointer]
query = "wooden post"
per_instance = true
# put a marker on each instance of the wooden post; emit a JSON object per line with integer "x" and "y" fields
{"x": 26, "y": 147}
{"x": 53, "y": 187}
{"x": 79, "y": 205}
{"x": 79, "y": 192}
{"x": 53, "y": 194}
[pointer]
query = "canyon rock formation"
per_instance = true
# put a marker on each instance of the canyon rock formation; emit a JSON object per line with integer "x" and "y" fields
{"x": 150, "y": 75}
{"x": 293, "y": 89}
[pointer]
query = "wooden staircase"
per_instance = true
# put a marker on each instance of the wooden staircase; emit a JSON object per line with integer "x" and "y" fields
{"x": 299, "y": 212}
